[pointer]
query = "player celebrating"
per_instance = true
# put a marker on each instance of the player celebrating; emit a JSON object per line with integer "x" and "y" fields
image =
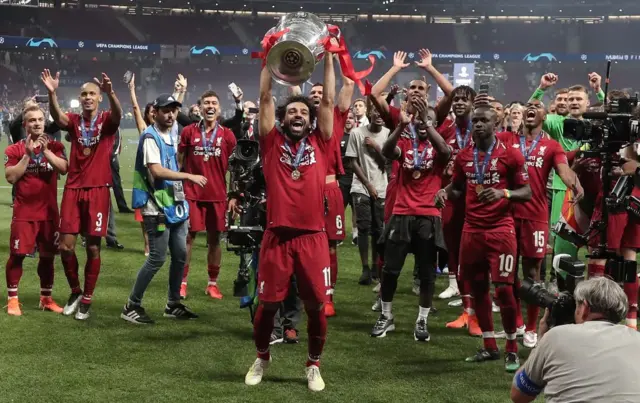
{"x": 457, "y": 133}
{"x": 32, "y": 166}
{"x": 415, "y": 225}
{"x": 86, "y": 199}
{"x": 541, "y": 154}
{"x": 334, "y": 218}
{"x": 204, "y": 149}
{"x": 493, "y": 174}
{"x": 295, "y": 168}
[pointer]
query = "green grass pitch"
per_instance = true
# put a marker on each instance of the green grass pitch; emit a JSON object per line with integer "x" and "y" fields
{"x": 51, "y": 358}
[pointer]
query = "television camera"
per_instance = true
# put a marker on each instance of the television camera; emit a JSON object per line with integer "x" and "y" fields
{"x": 247, "y": 185}
{"x": 605, "y": 133}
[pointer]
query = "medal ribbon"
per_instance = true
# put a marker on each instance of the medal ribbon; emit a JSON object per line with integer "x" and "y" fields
{"x": 267, "y": 43}
{"x": 487, "y": 157}
{"x": 296, "y": 162}
{"x": 463, "y": 144}
{"x": 417, "y": 158}
{"x": 207, "y": 144}
{"x": 87, "y": 134}
{"x": 523, "y": 146}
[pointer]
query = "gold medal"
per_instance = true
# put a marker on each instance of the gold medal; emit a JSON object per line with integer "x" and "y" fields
{"x": 86, "y": 151}
{"x": 416, "y": 174}
{"x": 479, "y": 189}
{"x": 295, "y": 175}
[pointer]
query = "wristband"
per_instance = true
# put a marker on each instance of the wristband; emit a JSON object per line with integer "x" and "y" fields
{"x": 507, "y": 194}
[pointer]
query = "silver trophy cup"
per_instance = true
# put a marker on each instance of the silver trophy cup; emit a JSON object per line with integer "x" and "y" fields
{"x": 295, "y": 54}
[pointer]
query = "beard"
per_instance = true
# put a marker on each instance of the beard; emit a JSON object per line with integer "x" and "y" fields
{"x": 295, "y": 135}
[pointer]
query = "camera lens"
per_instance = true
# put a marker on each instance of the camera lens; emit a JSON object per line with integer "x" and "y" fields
{"x": 535, "y": 294}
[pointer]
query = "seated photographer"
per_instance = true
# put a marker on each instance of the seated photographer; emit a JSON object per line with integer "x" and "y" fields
{"x": 594, "y": 360}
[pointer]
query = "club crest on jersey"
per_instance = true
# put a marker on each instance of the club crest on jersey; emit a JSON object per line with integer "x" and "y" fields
{"x": 196, "y": 140}
{"x": 469, "y": 164}
{"x": 308, "y": 157}
{"x": 494, "y": 164}
{"x": 426, "y": 163}
{"x": 542, "y": 150}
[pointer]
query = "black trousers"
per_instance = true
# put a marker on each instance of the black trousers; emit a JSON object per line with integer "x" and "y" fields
{"x": 117, "y": 184}
{"x": 290, "y": 312}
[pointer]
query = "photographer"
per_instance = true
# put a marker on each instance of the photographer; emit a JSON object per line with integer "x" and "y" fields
{"x": 594, "y": 360}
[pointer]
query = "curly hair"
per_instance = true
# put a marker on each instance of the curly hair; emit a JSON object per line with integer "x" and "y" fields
{"x": 464, "y": 90}
{"x": 281, "y": 111}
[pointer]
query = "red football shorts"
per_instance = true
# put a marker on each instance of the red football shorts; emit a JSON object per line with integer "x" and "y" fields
{"x": 334, "y": 220}
{"x": 85, "y": 211}
{"x": 25, "y": 235}
{"x": 390, "y": 199}
{"x": 284, "y": 254}
{"x": 452, "y": 223}
{"x": 207, "y": 216}
{"x": 488, "y": 253}
{"x": 532, "y": 238}
{"x": 623, "y": 231}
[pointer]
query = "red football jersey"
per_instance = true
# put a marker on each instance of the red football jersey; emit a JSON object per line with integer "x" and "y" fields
{"x": 417, "y": 189}
{"x": 90, "y": 167}
{"x": 505, "y": 170}
{"x": 297, "y": 204}
{"x": 334, "y": 156}
{"x": 37, "y": 190}
{"x": 211, "y": 162}
{"x": 546, "y": 155}
{"x": 448, "y": 132}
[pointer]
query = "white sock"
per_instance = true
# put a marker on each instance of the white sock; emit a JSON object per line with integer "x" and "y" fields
{"x": 354, "y": 233}
{"x": 386, "y": 309}
{"x": 213, "y": 283}
{"x": 423, "y": 313}
{"x": 453, "y": 283}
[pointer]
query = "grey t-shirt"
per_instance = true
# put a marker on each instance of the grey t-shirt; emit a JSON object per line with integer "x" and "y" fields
{"x": 356, "y": 148}
{"x": 596, "y": 361}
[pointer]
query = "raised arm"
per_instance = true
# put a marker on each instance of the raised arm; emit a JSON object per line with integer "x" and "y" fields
{"x": 325, "y": 110}
{"x": 114, "y": 104}
{"x": 267, "y": 113}
{"x": 426, "y": 64}
{"x": 180, "y": 88}
{"x": 346, "y": 93}
{"x": 52, "y": 83}
{"x": 383, "y": 83}
{"x": 137, "y": 114}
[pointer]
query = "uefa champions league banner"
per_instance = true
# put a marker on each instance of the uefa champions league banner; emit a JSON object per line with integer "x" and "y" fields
{"x": 204, "y": 50}
{"x": 464, "y": 74}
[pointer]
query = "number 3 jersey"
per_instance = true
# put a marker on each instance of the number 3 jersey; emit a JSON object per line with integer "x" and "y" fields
{"x": 505, "y": 170}
{"x": 37, "y": 190}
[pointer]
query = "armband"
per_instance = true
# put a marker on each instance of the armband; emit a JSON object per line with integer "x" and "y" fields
{"x": 526, "y": 385}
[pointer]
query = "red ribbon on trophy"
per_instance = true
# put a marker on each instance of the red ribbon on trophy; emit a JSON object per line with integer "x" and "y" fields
{"x": 267, "y": 43}
{"x": 346, "y": 64}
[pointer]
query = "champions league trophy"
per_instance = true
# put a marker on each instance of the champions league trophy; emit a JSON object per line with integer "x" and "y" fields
{"x": 297, "y": 48}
